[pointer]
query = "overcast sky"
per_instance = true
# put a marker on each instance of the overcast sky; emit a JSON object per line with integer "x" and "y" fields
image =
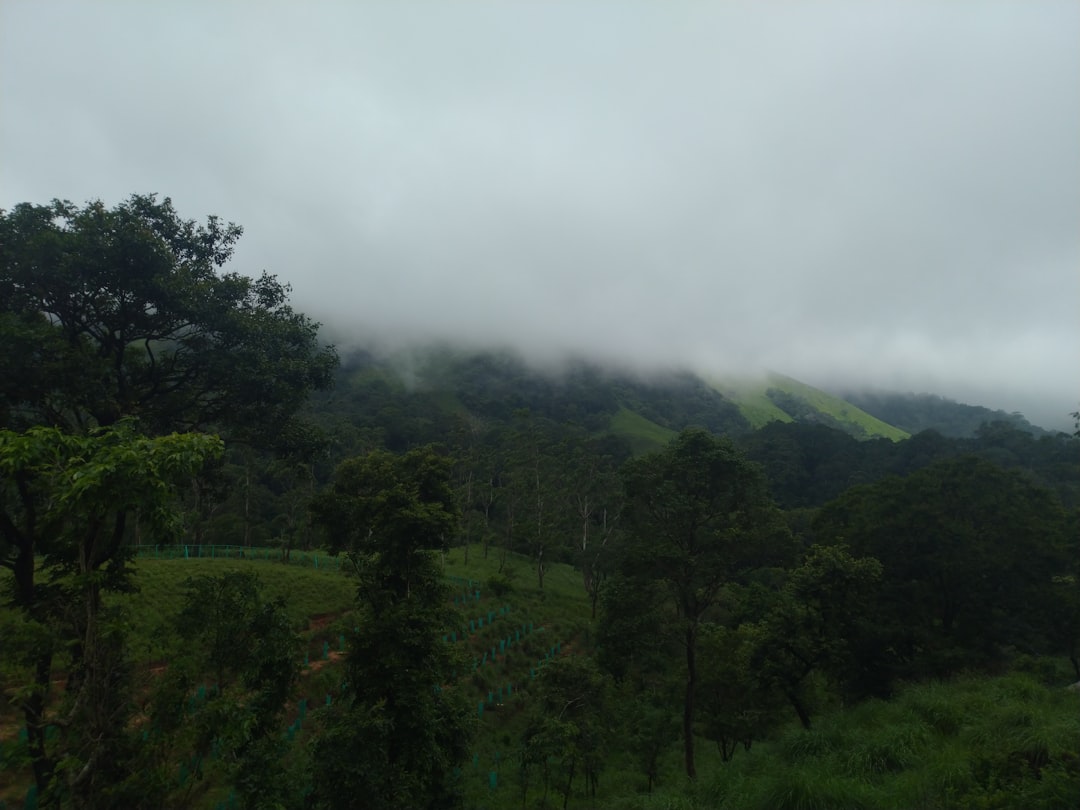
{"x": 856, "y": 192}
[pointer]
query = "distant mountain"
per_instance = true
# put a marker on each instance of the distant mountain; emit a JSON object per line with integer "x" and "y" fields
{"x": 413, "y": 397}
{"x": 419, "y": 397}
{"x": 917, "y": 412}
{"x": 813, "y": 445}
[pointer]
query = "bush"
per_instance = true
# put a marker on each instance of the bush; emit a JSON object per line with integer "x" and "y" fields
{"x": 499, "y": 585}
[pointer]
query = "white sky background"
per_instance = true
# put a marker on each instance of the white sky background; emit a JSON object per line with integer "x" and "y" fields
{"x": 857, "y": 192}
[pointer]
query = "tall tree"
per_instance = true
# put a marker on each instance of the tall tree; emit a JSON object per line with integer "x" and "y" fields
{"x": 968, "y": 552}
{"x": 402, "y": 730}
{"x": 78, "y": 492}
{"x": 110, "y": 313}
{"x": 125, "y": 311}
{"x": 817, "y": 623}
{"x": 697, "y": 518}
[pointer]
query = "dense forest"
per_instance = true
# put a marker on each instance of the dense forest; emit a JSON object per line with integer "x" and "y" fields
{"x": 450, "y": 579}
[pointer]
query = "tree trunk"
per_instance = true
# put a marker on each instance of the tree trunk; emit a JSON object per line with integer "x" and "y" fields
{"x": 800, "y": 709}
{"x": 688, "y": 705}
{"x": 569, "y": 783}
{"x": 34, "y": 713}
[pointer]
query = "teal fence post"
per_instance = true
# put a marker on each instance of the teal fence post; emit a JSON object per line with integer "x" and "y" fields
{"x": 325, "y": 650}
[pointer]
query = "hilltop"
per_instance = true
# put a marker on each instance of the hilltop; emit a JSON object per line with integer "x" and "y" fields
{"x": 420, "y": 395}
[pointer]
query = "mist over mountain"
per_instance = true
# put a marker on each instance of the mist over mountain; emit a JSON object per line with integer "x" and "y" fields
{"x": 856, "y": 195}
{"x": 918, "y": 412}
{"x": 662, "y": 400}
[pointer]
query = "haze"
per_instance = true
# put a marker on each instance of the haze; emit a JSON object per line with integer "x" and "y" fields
{"x": 881, "y": 194}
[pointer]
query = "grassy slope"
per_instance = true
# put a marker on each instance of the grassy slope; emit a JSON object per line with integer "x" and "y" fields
{"x": 759, "y": 410}
{"x": 749, "y": 395}
{"x": 643, "y": 435}
{"x": 307, "y": 592}
{"x": 927, "y": 748}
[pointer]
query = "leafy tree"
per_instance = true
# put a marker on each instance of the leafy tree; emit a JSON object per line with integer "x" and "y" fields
{"x": 569, "y": 725}
{"x": 247, "y": 647}
{"x": 736, "y": 706}
{"x": 648, "y": 728}
{"x": 697, "y": 518}
{"x": 123, "y": 312}
{"x": 78, "y": 492}
{"x": 816, "y": 624}
{"x": 108, "y": 314}
{"x": 968, "y": 554}
{"x": 401, "y": 730}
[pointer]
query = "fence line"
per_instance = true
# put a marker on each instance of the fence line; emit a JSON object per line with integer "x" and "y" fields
{"x": 194, "y": 551}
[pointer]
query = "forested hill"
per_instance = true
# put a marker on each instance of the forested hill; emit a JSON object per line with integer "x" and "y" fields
{"x": 918, "y": 412}
{"x": 495, "y": 412}
{"x": 419, "y": 392}
{"x": 419, "y": 398}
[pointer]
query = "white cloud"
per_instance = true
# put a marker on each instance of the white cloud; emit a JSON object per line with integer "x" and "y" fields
{"x": 843, "y": 191}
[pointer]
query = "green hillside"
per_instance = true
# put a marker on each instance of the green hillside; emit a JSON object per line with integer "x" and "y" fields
{"x": 758, "y": 409}
{"x": 780, "y": 398}
{"x": 641, "y": 434}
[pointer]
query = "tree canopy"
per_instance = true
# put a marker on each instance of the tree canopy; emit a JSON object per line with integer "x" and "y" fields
{"x": 124, "y": 311}
{"x": 698, "y": 517}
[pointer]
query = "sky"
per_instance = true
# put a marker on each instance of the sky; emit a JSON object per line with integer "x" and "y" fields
{"x": 875, "y": 194}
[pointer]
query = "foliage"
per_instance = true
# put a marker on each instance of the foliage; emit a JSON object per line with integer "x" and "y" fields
{"x": 122, "y": 311}
{"x": 968, "y": 554}
{"x": 567, "y": 731}
{"x": 918, "y": 412}
{"x": 816, "y": 624}
{"x": 68, "y": 498}
{"x": 389, "y": 513}
{"x": 115, "y": 315}
{"x": 697, "y": 518}
{"x": 247, "y": 646}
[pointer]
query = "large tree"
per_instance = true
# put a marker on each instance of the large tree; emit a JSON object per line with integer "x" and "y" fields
{"x": 78, "y": 493}
{"x": 401, "y": 728}
{"x": 697, "y": 518}
{"x": 125, "y": 313}
{"x": 969, "y": 553}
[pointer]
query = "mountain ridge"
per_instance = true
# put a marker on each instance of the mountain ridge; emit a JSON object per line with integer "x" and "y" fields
{"x": 645, "y": 409}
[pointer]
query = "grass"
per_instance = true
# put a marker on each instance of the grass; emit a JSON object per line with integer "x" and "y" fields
{"x": 643, "y": 435}
{"x": 759, "y": 410}
{"x": 974, "y": 742}
{"x": 749, "y": 395}
{"x": 307, "y": 592}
